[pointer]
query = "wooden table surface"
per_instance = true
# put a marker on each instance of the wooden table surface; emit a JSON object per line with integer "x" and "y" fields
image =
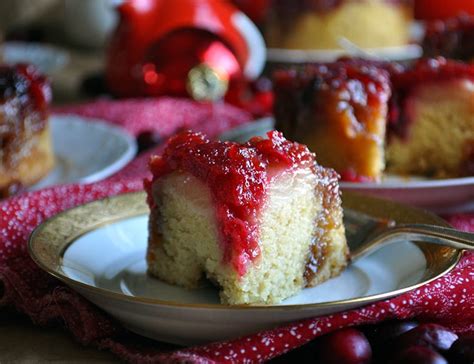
{"x": 22, "y": 342}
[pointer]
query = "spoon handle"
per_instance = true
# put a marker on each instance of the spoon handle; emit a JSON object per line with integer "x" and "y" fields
{"x": 436, "y": 235}
{"x": 415, "y": 232}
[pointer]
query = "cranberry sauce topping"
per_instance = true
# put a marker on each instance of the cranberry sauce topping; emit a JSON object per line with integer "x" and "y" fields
{"x": 432, "y": 69}
{"x": 238, "y": 177}
{"x": 357, "y": 82}
{"x": 309, "y": 98}
{"x": 451, "y": 38}
{"x": 405, "y": 82}
{"x": 25, "y": 83}
{"x": 24, "y": 99}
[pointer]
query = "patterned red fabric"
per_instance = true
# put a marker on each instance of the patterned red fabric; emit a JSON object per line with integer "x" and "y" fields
{"x": 448, "y": 301}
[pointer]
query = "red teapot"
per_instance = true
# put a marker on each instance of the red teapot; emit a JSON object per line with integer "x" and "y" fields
{"x": 197, "y": 48}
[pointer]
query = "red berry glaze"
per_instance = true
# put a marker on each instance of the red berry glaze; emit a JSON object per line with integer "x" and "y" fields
{"x": 430, "y": 335}
{"x": 26, "y": 83}
{"x": 346, "y": 346}
{"x": 432, "y": 70}
{"x": 238, "y": 176}
{"x": 383, "y": 334}
{"x": 407, "y": 81}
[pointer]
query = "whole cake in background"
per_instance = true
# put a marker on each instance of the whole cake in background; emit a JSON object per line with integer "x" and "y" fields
{"x": 26, "y": 153}
{"x": 261, "y": 220}
{"x": 318, "y": 24}
{"x": 364, "y": 118}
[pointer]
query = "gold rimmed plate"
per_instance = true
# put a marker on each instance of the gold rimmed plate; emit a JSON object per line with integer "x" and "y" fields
{"x": 98, "y": 249}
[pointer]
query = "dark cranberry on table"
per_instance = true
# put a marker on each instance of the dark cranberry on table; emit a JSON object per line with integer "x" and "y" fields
{"x": 380, "y": 336}
{"x": 147, "y": 140}
{"x": 462, "y": 351}
{"x": 392, "y": 342}
{"x": 346, "y": 346}
{"x": 418, "y": 355}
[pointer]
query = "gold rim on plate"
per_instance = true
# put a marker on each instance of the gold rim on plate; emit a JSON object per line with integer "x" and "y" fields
{"x": 49, "y": 241}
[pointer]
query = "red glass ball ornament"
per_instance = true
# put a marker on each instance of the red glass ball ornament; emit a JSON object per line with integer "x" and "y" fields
{"x": 169, "y": 65}
{"x": 196, "y": 48}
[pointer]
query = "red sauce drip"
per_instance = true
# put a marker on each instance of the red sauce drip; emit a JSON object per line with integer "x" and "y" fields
{"x": 372, "y": 75}
{"x": 238, "y": 177}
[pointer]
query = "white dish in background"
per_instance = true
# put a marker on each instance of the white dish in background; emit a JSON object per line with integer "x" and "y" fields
{"x": 400, "y": 53}
{"x": 86, "y": 150}
{"x": 99, "y": 250}
{"x": 438, "y": 195}
{"x": 48, "y": 59}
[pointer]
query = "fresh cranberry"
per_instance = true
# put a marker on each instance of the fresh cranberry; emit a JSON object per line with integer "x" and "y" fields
{"x": 384, "y": 333}
{"x": 430, "y": 335}
{"x": 346, "y": 346}
{"x": 462, "y": 351}
{"x": 147, "y": 140}
{"x": 419, "y": 355}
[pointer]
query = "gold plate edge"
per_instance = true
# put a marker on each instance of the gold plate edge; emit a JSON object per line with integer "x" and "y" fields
{"x": 140, "y": 197}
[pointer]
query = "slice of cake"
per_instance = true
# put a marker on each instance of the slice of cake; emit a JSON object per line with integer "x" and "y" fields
{"x": 261, "y": 220}
{"x": 318, "y": 24}
{"x": 431, "y": 131}
{"x": 339, "y": 110}
{"x": 364, "y": 118}
{"x": 25, "y": 147}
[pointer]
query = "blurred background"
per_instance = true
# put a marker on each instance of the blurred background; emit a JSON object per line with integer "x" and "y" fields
{"x": 133, "y": 48}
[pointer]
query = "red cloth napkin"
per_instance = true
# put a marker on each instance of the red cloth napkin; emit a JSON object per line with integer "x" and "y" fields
{"x": 448, "y": 301}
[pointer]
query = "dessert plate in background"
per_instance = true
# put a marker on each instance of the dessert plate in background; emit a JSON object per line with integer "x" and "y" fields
{"x": 86, "y": 150}
{"x": 438, "y": 195}
{"x": 46, "y": 58}
{"x": 294, "y": 56}
{"x": 99, "y": 248}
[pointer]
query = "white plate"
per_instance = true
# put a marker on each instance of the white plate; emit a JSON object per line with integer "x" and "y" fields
{"x": 99, "y": 250}
{"x": 46, "y": 58}
{"x": 438, "y": 195}
{"x": 86, "y": 150}
{"x": 401, "y": 53}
